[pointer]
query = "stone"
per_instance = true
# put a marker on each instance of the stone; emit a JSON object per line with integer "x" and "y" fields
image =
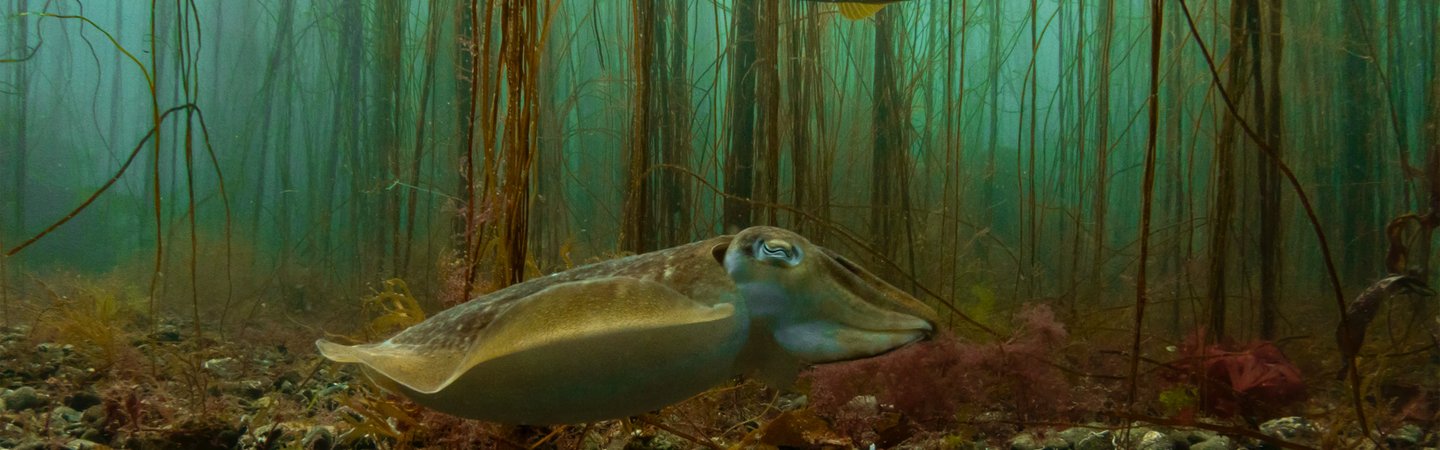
{"x": 1029, "y": 441}
{"x": 1155, "y": 440}
{"x": 82, "y": 444}
{"x": 166, "y": 333}
{"x": 93, "y": 434}
{"x": 274, "y": 435}
{"x": 1216, "y": 443}
{"x": 1291, "y": 429}
{"x": 66, "y": 414}
{"x": 1408, "y": 436}
{"x": 36, "y": 444}
{"x": 319, "y": 437}
{"x": 1025, "y": 441}
{"x": 225, "y": 368}
{"x": 290, "y": 376}
{"x": 1085, "y": 438}
{"x": 248, "y": 389}
{"x": 82, "y": 400}
{"x": 94, "y": 415}
{"x": 22, "y": 399}
{"x": 332, "y": 389}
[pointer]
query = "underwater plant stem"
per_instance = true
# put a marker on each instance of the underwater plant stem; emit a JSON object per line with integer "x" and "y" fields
{"x": 426, "y": 83}
{"x": 155, "y": 174}
{"x": 101, "y": 190}
{"x": 1147, "y": 192}
{"x": 1355, "y": 382}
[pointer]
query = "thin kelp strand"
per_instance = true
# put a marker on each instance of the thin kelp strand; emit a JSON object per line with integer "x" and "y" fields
{"x": 1334, "y": 276}
{"x": 98, "y": 191}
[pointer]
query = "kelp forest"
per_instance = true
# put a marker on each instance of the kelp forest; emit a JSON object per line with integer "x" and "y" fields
{"x": 1147, "y": 224}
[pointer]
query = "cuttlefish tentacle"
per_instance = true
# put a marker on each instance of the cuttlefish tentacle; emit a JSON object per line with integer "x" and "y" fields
{"x": 634, "y": 334}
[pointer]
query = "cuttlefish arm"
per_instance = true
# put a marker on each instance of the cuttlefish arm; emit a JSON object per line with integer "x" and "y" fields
{"x": 572, "y": 352}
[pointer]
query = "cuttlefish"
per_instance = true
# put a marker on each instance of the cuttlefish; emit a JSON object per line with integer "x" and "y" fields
{"x": 858, "y": 9}
{"x": 630, "y": 335}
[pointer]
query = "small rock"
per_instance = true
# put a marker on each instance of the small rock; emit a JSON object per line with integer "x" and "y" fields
{"x": 651, "y": 442}
{"x": 292, "y": 376}
{"x": 248, "y": 389}
{"x": 1083, "y": 438}
{"x": 790, "y": 402}
{"x": 273, "y": 435}
{"x": 82, "y": 400}
{"x": 223, "y": 367}
{"x": 94, "y": 415}
{"x": 319, "y": 437}
{"x": 1216, "y": 443}
{"x": 1291, "y": 429}
{"x": 1408, "y": 436}
{"x": 1024, "y": 441}
{"x": 1028, "y": 441}
{"x": 93, "y": 434}
{"x": 66, "y": 414}
{"x": 35, "y": 444}
{"x": 1193, "y": 437}
{"x": 1155, "y": 440}
{"x": 166, "y": 333}
{"x": 23, "y": 399}
{"x": 82, "y": 444}
{"x": 332, "y": 389}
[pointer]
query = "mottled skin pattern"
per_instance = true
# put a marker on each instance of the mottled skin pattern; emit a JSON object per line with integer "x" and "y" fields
{"x": 690, "y": 269}
{"x": 634, "y": 334}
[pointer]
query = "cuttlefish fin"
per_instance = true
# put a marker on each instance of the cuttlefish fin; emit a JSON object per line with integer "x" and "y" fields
{"x": 552, "y": 323}
{"x": 858, "y": 11}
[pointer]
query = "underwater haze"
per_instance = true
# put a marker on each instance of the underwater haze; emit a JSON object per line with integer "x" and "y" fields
{"x": 1178, "y": 223}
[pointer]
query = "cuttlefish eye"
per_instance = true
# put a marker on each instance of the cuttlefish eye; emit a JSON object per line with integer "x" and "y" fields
{"x": 777, "y": 252}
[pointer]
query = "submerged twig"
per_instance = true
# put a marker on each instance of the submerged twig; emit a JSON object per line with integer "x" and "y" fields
{"x": 1314, "y": 220}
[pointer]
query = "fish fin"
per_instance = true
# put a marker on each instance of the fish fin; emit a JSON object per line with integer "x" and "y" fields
{"x": 552, "y": 321}
{"x": 858, "y": 11}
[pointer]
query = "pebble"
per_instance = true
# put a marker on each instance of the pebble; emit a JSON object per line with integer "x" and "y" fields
{"x": 274, "y": 435}
{"x": 1155, "y": 440}
{"x": 1291, "y": 429}
{"x": 332, "y": 389}
{"x": 1408, "y": 436}
{"x": 82, "y": 444}
{"x": 66, "y": 414}
{"x": 1028, "y": 441}
{"x": 1215, "y": 443}
{"x": 94, "y": 415}
{"x": 166, "y": 333}
{"x": 1082, "y": 438}
{"x": 82, "y": 400}
{"x": 319, "y": 436}
{"x": 291, "y": 376}
{"x": 226, "y": 367}
{"x": 22, "y": 399}
{"x": 36, "y": 444}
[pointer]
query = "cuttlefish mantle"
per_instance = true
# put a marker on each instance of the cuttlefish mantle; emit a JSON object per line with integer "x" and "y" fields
{"x": 634, "y": 334}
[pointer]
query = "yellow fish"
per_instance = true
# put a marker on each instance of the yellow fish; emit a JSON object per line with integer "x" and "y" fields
{"x": 857, "y": 10}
